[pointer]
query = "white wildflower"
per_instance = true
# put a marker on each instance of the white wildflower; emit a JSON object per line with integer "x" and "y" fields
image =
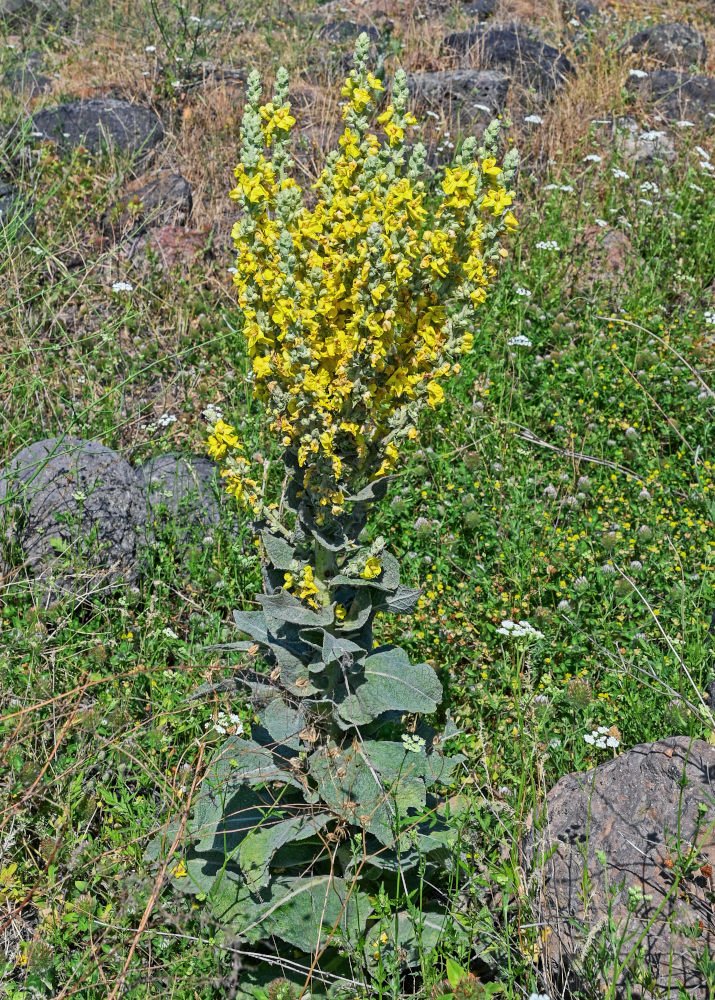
{"x": 547, "y": 245}
{"x": 122, "y": 286}
{"x": 685, "y": 124}
{"x": 639, "y": 74}
{"x": 534, "y": 119}
{"x": 709, "y": 317}
{"x": 524, "y": 292}
{"x": 212, "y": 414}
{"x": 701, "y": 152}
{"x": 519, "y": 630}
{"x": 601, "y": 222}
{"x": 592, "y": 158}
{"x": 649, "y": 187}
{"x": 519, "y": 341}
{"x": 150, "y": 48}
{"x": 166, "y": 419}
{"x": 169, "y": 633}
{"x": 620, "y": 174}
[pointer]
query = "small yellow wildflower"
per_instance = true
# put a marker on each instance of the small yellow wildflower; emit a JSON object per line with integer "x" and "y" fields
{"x": 373, "y": 568}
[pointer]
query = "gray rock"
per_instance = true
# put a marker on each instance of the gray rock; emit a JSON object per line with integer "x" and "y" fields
{"x": 674, "y": 44}
{"x": 641, "y": 146}
{"x": 533, "y": 63}
{"x": 628, "y": 849}
{"x": 466, "y": 97}
{"x": 16, "y": 215}
{"x": 98, "y": 123}
{"x": 677, "y": 96}
{"x": 187, "y": 485}
{"x": 582, "y": 9}
{"x": 25, "y": 79}
{"x": 70, "y": 514}
{"x": 166, "y": 200}
{"x": 481, "y": 9}
{"x": 346, "y": 31}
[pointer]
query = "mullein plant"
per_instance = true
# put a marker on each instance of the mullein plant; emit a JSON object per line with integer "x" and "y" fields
{"x": 357, "y": 309}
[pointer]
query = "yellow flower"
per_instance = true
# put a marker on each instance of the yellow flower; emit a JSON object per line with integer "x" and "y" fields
{"x": 288, "y": 580}
{"x": 307, "y": 583}
{"x": 490, "y": 167}
{"x": 223, "y": 437}
{"x": 372, "y": 569}
{"x": 340, "y": 612}
{"x": 435, "y": 394}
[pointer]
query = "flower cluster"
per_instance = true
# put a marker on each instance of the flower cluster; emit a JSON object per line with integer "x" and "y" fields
{"x": 357, "y": 308}
{"x": 519, "y": 630}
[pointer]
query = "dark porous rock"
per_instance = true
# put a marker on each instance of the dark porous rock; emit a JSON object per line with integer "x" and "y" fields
{"x": 99, "y": 123}
{"x": 25, "y": 79}
{"x": 583, "y": 10}
{"x": 16, "y": 214}
{"x": 186, "y": 485}
{"x": 70, "y": 514}
{"x": 533, "y": 63}
{"x": 676, "y": 96}
{"x": 166, "y": 200}
{"x": 464, "y": 97}
{"x": 642, "y": 147}
{"x": 628, "y": 849}
{"x": 338, "y": 32}
{"x": 676, "y": 45}
{"x": 481, "y": 9}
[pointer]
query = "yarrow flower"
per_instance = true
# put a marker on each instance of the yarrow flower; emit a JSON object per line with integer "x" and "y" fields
{"x": 519, "y": 341}
{"x": 122, "y": 286}
{"x": 524, "y": 292}
{"x": 602, "y": 738}
{"x": 534, "y": 119}
{"x": 519, "y": 630}
{"x": 620, "y": 174}
{"x": 547, "y": 245}
{"x": 592, "y": 158}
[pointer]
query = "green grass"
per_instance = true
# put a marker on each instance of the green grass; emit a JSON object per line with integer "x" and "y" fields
{"x": 570, "y": 483}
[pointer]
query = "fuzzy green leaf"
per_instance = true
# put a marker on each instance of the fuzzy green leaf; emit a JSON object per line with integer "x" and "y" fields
{"x": 280, "y": 552}
{"x": 259, "y": 845}
{"x": 285, "y": 607}
{"x": 300, "y": 911}
{"x": 283, "y": 723}
{"x": 391, "y": 683}
{"x": 253, "y": 623}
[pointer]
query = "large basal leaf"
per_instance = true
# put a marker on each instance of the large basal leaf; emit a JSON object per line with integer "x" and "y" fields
{"x": 393, "y": 761}
{"x": 260, "y": 844}
{"x": 391, "y": 683}
{"x": 302, "y": 911}
{"x": 283, "y": 723}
